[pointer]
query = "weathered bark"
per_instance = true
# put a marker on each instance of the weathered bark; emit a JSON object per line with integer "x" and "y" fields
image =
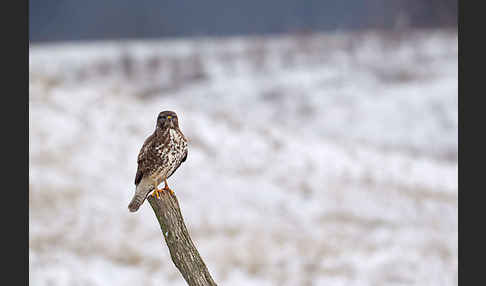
{"x": 182, "y": 251}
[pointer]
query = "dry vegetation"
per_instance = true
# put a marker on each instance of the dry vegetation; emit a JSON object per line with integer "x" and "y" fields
{"x": 315, "y": 159}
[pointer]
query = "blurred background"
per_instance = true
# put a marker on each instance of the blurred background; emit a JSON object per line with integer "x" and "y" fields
{"x": 323, "y": 140}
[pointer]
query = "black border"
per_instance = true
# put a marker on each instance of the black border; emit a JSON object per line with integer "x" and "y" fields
{"x": 15, "y": 128}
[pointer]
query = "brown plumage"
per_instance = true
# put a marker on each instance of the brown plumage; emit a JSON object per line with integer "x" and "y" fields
{"x": 160, "y": 156}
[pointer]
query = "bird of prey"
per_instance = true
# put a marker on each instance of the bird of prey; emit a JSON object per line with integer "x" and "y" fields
{"x": 160, "y": 156}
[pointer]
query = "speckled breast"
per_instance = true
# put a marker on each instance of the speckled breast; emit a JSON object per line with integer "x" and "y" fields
{"x": 171, "y": 154}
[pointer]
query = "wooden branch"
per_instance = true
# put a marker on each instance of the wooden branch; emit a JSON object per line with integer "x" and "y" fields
{"x": 182, "y": 251}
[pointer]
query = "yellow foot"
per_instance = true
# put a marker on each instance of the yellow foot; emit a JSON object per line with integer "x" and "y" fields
{"x": 157, "y": 193}
{"x": 166, "y": 188}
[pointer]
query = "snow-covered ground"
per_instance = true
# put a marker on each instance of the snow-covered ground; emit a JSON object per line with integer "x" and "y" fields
{"x": 325, "y": 159}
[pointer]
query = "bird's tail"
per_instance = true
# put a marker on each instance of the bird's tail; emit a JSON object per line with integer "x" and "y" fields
{"x": 139, "y": 197}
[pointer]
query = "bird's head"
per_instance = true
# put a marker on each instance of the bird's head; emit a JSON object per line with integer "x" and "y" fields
{"x": 167, "y": 119}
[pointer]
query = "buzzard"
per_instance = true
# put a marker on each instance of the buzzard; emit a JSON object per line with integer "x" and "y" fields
{"x": 161, "y": 154}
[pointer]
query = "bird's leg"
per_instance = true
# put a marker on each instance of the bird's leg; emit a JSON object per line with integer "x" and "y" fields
{"x": 157, "y": 192}
{"x": 166, "y": 188}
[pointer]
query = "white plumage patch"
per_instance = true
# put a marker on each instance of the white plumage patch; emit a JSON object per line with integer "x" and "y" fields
{"x": 173, "y": 152}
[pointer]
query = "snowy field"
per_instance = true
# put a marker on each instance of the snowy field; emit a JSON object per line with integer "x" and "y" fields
{"x": 315, "y": 159}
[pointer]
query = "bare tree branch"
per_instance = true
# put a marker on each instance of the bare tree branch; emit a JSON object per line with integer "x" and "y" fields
{"x": 182, "y": 251}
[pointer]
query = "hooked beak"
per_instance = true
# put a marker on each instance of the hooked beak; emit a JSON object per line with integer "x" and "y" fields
{"x": 171, "y": 121}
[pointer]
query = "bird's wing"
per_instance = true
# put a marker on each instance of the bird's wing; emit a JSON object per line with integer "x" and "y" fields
{"x": 142, "y": 156}
{"x": 185, "y": 157}
{"x": 138, "y": 176}
{"x": 185, "y": 139}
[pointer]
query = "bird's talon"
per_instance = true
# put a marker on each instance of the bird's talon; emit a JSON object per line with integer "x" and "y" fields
{"x": 156, "y": 194}
{"x": 166, "y": 188}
